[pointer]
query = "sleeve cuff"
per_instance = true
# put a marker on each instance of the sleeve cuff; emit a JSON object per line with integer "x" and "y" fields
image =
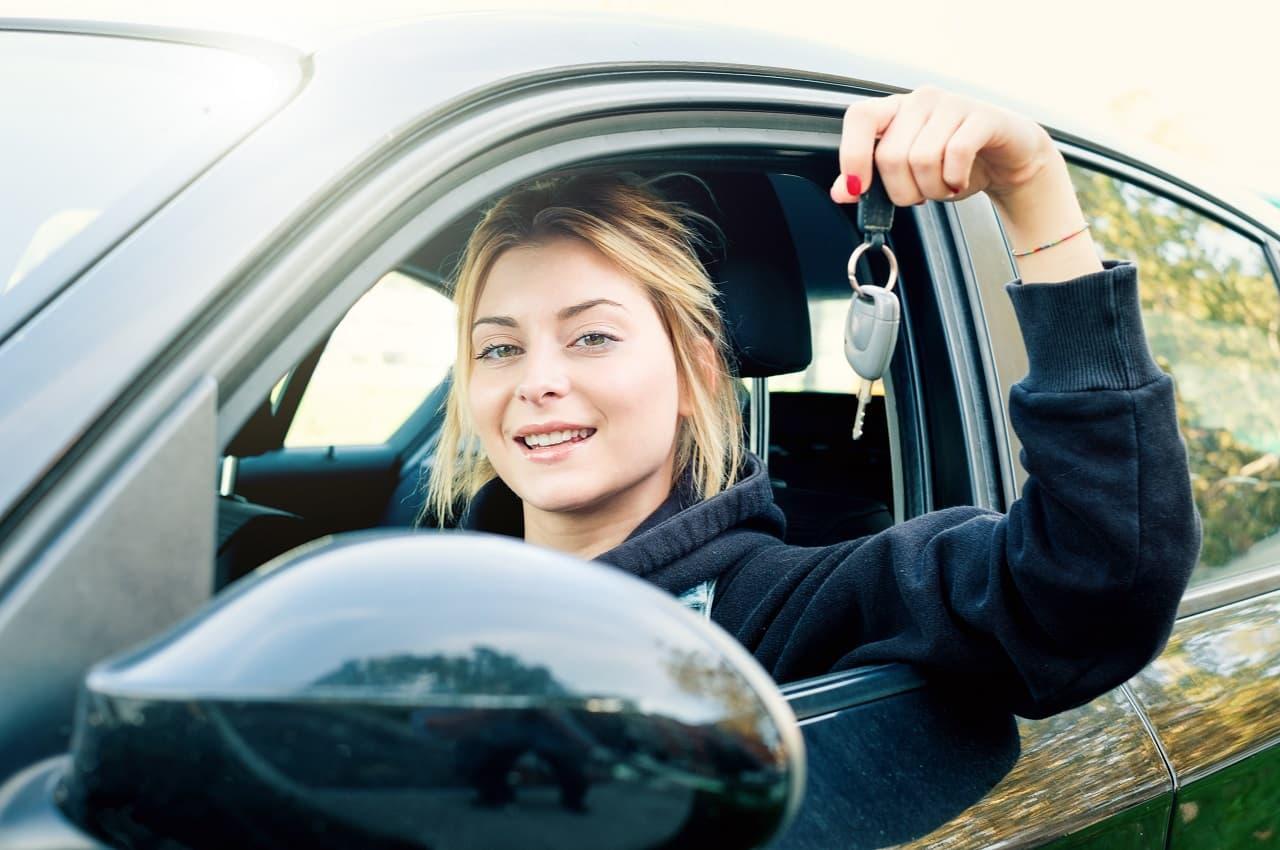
{"x": 1085, "y": 333}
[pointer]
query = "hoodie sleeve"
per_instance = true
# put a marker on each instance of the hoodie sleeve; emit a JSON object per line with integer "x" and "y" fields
{"x": 1066, "y": 596}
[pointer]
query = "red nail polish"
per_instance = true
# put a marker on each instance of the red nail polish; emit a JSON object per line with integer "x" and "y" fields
{"x": 853, "y": 184}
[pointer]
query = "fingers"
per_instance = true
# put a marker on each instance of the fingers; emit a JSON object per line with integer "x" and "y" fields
{"x": 927, "y": 157}
{"x": 864, "y": 122}
{"x": 962, "y": 150}
{"x": 893, "y": 152}
{"x": 929, "y": 142}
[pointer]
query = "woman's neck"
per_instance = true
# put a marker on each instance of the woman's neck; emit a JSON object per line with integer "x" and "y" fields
{"x": 595, "y": 530}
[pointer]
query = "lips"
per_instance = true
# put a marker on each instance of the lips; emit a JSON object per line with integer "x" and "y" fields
{"x": 551, "y": 440}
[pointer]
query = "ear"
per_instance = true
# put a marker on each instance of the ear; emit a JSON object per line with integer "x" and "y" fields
{"x": 704, "y": 363}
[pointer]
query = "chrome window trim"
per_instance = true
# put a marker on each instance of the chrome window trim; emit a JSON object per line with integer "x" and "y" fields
{"x": 828, "y": 694}
{"x": 1230, "y": 589}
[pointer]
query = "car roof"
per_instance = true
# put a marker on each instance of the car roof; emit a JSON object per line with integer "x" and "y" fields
{"x": 501, "y": 44}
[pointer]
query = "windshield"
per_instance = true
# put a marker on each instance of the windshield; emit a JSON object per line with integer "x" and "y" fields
{"x": 100, "y": 131}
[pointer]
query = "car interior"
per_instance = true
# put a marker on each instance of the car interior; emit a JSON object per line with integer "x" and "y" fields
{"x": 780, "y": 265}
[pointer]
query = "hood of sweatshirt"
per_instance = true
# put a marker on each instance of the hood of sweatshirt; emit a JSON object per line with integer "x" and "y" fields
{"x": 684, "y": 542}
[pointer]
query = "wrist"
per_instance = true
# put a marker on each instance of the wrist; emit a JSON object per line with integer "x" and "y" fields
{"x": 1046, "y": 192}
{"x": 1043, "y": 210}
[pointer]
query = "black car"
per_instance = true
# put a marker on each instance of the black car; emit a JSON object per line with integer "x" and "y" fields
{"x": 225, "y": 335}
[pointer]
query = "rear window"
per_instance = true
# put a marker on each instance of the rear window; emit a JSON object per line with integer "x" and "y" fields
{"x": 99, "y": 132}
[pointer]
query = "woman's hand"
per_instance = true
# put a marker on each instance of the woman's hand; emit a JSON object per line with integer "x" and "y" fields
{"x": 940, "y": 146}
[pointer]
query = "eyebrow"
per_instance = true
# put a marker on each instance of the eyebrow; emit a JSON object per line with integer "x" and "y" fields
{"x": 566, "y": 313}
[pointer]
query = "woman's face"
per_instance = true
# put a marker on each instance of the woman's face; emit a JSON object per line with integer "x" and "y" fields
{"x": 573, "y": 390}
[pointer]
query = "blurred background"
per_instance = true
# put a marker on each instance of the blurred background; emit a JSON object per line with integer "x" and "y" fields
{"x": 1197, "y": 82}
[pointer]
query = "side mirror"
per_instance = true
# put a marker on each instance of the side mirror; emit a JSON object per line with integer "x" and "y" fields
{"x": 436, "y": 690}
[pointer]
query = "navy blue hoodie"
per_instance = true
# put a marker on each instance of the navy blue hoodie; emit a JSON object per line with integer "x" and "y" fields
{"x": 1044, "y": 608}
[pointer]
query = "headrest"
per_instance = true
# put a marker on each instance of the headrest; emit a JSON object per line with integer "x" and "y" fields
{"x": 762, "y": 294}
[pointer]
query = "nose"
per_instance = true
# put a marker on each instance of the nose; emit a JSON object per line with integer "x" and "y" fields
{"x": 544, "y": 378}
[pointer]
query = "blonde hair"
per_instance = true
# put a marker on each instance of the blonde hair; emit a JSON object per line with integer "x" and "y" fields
{"x": 654, "y": 241}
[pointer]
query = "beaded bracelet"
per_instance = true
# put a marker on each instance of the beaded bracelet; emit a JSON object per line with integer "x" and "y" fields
{"x": 1051, "y": 244}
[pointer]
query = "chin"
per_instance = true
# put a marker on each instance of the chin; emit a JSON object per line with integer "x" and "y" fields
{"x": 561, "y": 496}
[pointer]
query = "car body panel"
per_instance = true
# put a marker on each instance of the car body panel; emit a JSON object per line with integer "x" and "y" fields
{"x": 1094, "y": 767}
{"x": 1213, "y": 697}
{"x": 125, "y": 567}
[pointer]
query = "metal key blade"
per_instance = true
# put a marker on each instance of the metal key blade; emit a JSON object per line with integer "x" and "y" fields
{"x": 864, "y": 396}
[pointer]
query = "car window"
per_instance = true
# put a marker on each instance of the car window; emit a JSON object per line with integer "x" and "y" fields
{"x": 383, "y": 359}
{"x": 1211, "y": 308}
{"x": 115, "y": 126}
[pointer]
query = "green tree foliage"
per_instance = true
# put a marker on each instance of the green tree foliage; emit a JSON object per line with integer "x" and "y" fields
{"x": 1212, "y": 314}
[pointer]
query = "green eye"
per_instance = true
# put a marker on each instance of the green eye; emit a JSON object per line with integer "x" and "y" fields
{"x": 498, "y": 352}
{"x": 595, "y": 340}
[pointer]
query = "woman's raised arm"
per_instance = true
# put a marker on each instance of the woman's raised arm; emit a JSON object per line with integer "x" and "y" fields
{"x": 939, "y": 146}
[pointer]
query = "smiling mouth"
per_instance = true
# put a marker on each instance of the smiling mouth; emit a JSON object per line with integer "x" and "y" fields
{"x": 552, "y": 439}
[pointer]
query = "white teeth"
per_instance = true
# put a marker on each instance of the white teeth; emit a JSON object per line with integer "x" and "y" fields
{"x": 555, "y": 437}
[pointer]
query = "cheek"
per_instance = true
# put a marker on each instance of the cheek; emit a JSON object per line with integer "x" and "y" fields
{"x": 645, "y": 391}
{"x": 486, "y": 400}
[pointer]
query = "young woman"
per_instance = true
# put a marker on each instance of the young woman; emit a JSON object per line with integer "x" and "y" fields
{"x": 593, "y": 411}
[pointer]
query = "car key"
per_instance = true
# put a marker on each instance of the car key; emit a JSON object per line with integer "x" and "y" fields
{"x": 870, "y": 336}
{"x": 871, "y": 328}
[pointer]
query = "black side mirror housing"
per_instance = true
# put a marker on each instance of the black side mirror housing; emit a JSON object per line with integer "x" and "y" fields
{"x": 407, "y": 690}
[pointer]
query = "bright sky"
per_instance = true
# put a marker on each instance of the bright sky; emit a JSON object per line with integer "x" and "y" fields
{"x": 1198, "y": 81}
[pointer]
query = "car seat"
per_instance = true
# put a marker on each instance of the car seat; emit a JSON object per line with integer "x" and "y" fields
{"x": 765, "y": 307}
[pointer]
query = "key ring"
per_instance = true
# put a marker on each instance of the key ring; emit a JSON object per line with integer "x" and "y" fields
{"x": 853, "y": 265}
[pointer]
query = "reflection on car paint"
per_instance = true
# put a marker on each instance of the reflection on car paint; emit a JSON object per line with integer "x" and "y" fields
{"x": 1077, "y": 768}
{"x": 1213, "y": 697}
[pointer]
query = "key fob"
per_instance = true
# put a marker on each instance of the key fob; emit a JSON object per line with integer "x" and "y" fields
{"x": 871, "y": 331}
